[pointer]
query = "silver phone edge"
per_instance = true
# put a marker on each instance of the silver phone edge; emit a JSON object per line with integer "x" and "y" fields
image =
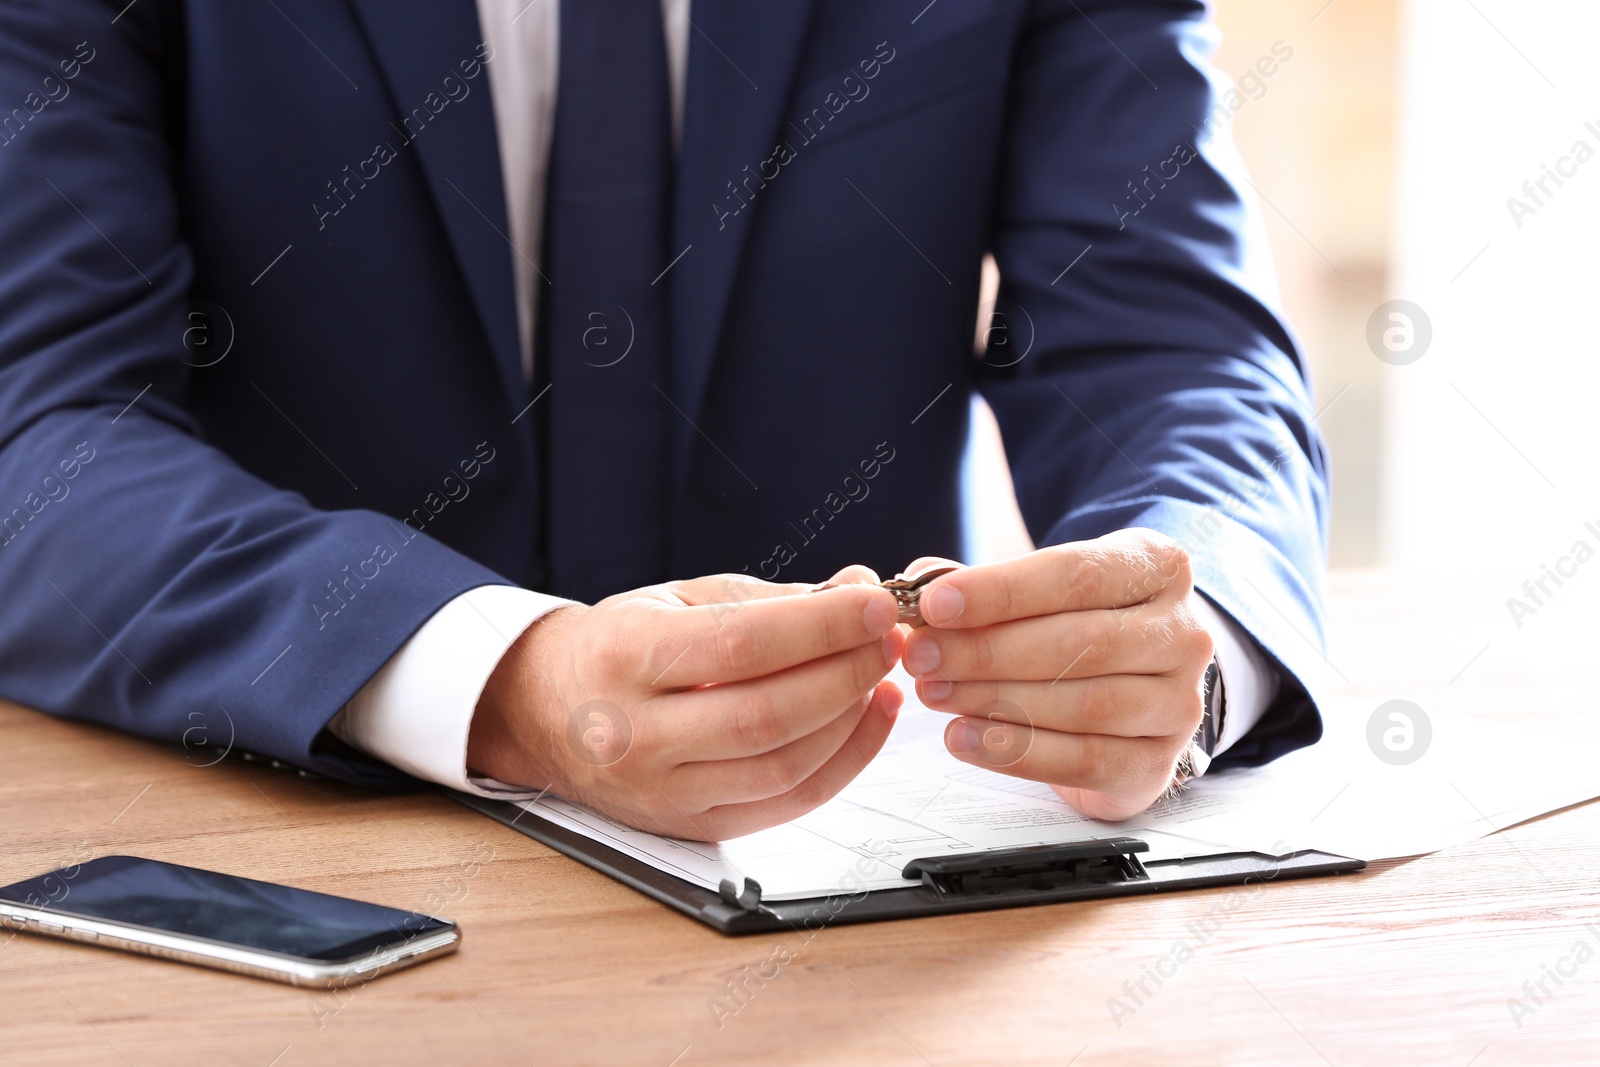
{"x": 290, "y": 970}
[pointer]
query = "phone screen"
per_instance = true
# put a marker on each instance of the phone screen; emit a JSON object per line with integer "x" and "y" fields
{"x": 221, "y": 907}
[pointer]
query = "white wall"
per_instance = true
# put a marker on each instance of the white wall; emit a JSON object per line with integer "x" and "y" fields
{"x": 1506, "y": 487}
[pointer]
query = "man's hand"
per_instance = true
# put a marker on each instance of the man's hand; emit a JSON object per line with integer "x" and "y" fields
{"x": 704, "y": 709}
{"x": 1079, "y": 665}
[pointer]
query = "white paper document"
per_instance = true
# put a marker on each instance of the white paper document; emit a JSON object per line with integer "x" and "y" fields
{"x": 1338, "y": 796}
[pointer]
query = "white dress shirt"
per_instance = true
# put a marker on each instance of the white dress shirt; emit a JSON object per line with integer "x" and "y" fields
{"x": 416, "y": 712}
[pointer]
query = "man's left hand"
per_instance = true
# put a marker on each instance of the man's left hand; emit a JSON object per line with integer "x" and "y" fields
{"x": 1078, "y": 665}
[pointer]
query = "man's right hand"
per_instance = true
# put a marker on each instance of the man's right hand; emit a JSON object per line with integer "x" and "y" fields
{"x": 704, "y": 709}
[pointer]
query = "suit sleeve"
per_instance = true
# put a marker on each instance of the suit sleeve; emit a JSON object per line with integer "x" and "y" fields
{"x": 416, "y": 713}
{"x": 150, "y": 583}
{"x": 1160, "y": 386}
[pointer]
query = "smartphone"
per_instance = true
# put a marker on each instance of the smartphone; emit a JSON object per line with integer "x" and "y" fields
{"x": 224, "y": 921}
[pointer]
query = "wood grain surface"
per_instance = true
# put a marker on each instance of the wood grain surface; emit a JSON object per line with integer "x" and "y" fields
{"x": 1407, "y": 962}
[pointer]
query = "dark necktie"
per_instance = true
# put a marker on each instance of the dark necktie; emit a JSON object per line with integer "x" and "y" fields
{"x": 603, "y": 322}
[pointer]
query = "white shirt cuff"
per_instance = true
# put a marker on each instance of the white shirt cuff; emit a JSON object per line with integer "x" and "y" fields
{"x": 1249, "y": 680}
{"x": 416, "y": 712}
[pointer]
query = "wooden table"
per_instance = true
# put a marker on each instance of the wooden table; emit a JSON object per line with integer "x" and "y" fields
{"x": 1408, "y": 962}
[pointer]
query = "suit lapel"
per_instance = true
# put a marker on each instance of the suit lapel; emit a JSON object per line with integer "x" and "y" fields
{"x": 742, "y": 59}
{"x": 418, "y": 44}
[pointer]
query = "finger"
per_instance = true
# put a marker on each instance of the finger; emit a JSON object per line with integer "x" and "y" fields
{"x": 922, "y": 562}
{"x": 730, "y": 589}
{"x": 1121, "y": 569}
{"x": 709, "y": 783}
{"x": 1113, "y": 805}
{"x": 669, "y": 647}
{"x": 736, "y": 820}
{"x": 1076, "y": 644}
{"x": 1096, "y": 762}
{"x": 740, "y": 719}
{"x": 855, "y": 574}
{"x": 1122, "y": 705}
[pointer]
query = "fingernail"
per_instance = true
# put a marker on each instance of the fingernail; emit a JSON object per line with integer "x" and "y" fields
{"x": 890, "y": 702}
{"x": 881, "y": 612}
{"x": 942, "y": 604}
{"x": 891, "y": 649}
{"x": 936, "y": 690}
{"x": 921, "y": 655}
{"x": 963, "y": 738}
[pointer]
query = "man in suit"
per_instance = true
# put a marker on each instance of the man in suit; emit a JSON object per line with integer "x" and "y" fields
{"x": 473, "y": 391}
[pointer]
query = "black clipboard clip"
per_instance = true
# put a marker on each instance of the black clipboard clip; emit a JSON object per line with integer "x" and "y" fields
{"x": 1028, "y": 869}
{"x": 1031, "y": 869}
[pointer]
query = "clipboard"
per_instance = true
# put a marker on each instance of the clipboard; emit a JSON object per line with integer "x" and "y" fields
{"x": 971, "y": 881}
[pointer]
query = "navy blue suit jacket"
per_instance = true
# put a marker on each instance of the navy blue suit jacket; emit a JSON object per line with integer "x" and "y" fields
{"x": 261, "y": 408}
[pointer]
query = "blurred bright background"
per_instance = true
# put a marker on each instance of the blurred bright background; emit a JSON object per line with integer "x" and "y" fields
{"x": 1384, "y": 153}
